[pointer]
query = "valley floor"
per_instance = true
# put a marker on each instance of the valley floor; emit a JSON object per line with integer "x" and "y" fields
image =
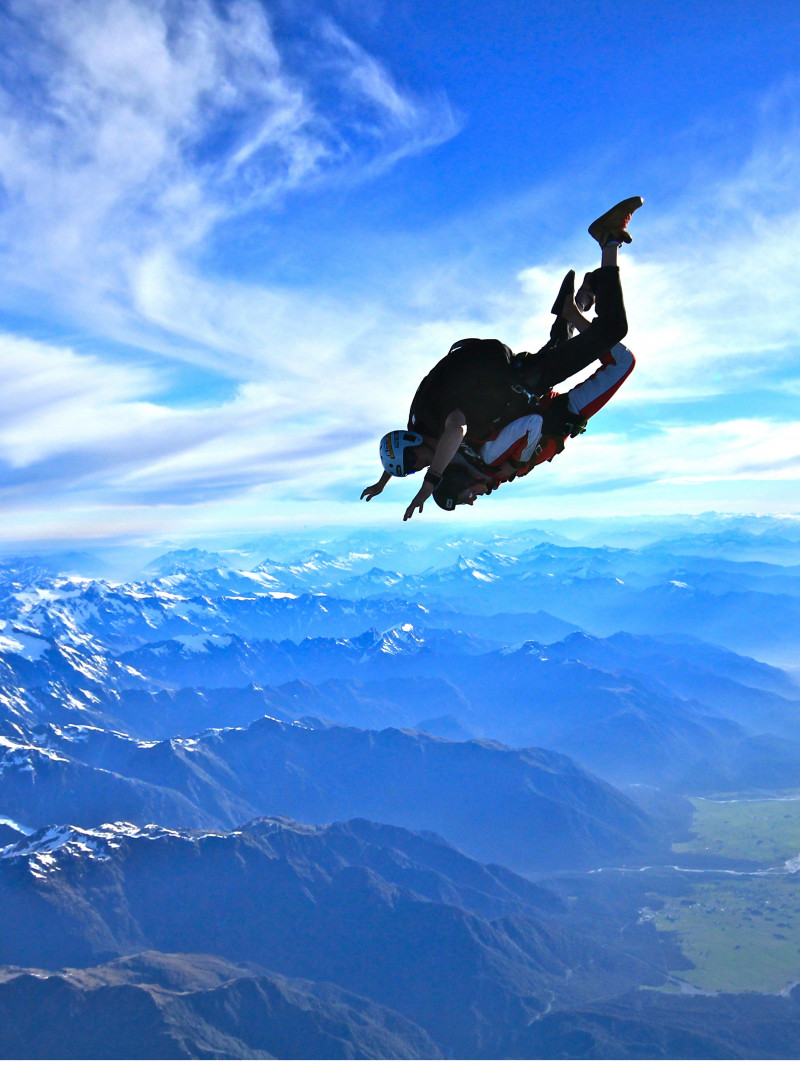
{"x": 739, "y": 928}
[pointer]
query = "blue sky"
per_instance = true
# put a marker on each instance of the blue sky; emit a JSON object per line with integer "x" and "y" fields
{"x": 235, "y": 235}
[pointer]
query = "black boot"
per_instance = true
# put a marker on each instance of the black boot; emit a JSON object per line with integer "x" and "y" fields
{"x": 562, "y": 330}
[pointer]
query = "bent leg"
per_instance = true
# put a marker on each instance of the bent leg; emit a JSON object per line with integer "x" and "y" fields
{"x": 514, "y": 441}
{"x": 587, "y": 398}
{"x": 552, "y": 365}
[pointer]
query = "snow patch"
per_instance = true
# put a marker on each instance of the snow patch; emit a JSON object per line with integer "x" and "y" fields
{"x": 21, "y": 756}
{"x": 44, "y": 848}
{"x": 20, "y": 828}
{"x": 14, "y": 641}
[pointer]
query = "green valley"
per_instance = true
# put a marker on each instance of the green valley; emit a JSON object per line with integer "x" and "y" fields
{"x": 739, "y": 928}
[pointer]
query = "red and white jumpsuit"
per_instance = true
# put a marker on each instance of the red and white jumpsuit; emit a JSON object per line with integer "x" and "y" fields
{"x": 520, "y": 442}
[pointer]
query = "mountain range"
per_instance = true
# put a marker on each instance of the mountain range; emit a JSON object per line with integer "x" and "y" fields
{"x": 395, "y": 917}
{"x": 177, "y": 1006}
{"x": 357, "y": 801}
{"x": 529, "y": 809}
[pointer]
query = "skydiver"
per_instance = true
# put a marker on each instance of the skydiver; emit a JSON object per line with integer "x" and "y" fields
{"x": 534, "y": 438}
{"x": 481, "y": 386}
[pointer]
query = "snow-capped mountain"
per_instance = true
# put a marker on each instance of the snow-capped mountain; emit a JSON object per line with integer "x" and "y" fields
{"x": 465, "y": 791}
{"x": 440, "y": 937}
{"x": 420, "y": 711}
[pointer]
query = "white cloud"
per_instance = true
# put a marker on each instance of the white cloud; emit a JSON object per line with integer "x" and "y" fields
{"x": 717, "y": 317}
{"x": 128, "y": 130}
{"x": 72, "y": 421}
{"x": 740, "y": 450}
{"x": 707, "y": 316}
{"x": 129, "y": 127}
{"x": 247, "y": 330}
{"x": 53, "y": 398}
{"x": 710, "y": 281}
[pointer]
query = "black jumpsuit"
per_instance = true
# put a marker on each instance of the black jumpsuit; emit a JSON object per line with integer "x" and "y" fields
{"x": 492, "y": 386}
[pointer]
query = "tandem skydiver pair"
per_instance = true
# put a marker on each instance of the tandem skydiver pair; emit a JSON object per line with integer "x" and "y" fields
{"x": 485, "y": 415}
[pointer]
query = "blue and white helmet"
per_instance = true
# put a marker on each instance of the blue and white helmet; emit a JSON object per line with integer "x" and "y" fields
{"x": 397, "y": 453}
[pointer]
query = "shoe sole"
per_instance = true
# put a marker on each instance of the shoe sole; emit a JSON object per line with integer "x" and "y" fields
{"x": 615, "y": 220}
{"x": 567, "y": 288}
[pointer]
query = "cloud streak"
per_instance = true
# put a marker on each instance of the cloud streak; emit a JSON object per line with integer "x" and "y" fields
{"x": 132, "y": 130}
{"x": 133, "y": 127}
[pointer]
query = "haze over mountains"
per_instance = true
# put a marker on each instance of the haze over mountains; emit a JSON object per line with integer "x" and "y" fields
{"x": 291, "y": 802}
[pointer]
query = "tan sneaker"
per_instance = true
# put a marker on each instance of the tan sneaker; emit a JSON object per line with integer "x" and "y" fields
{"x": 612, "y": 226}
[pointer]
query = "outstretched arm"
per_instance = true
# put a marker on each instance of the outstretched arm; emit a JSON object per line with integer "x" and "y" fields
{"x": 455, "y": 429}
{"x": 378, "y": 487}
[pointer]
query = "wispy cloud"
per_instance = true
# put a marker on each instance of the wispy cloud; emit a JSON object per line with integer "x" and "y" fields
{"x": 714, "y": 307}
{"x": 710, "y": 280}
{"x": 710, "y": 314}
{"x": 130, "y": 130}
{"x": 679, "y": 452}
{"x": 131, "y": 127}
{"x": 71, "y": 423}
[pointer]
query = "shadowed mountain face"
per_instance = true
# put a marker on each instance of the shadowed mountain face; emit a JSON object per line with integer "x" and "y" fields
{"x": 311, "y": 791}
{"x": 176, "y": 1006}
{"x": 403, "y": 920}
{"x": 209, "y": 645}
{"x": 632, "y": 709}
{"x": 9, "y": 835}
{"x": 355, "y": 940}
{"x": 532, "y": 810}
{"x": 37, "y": 783}
{"x": 646, "y": 1025}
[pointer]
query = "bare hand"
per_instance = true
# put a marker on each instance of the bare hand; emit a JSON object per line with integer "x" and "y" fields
{"x": 372, "y": 490}
{"x": 417, "y": 502}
